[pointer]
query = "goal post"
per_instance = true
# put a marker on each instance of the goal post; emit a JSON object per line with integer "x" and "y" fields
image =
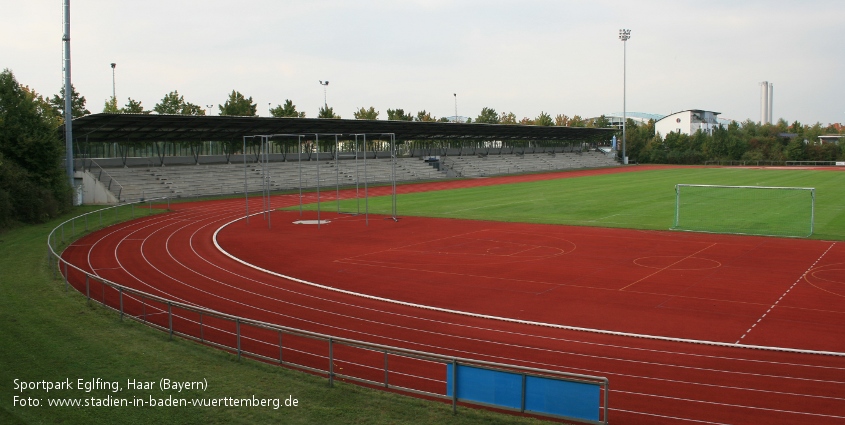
{"x": 748, "y": 210}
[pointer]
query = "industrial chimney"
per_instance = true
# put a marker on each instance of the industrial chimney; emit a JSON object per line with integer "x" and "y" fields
{"x": 766, "y": 92}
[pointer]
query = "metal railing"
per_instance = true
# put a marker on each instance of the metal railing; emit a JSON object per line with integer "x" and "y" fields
{"x": 365, "y": 363}
{"x": 771, "y": 163}
{"x": 105, "y": 178}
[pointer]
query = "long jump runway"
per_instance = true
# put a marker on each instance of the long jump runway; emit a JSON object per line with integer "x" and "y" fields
{"x": 517, "y": 293}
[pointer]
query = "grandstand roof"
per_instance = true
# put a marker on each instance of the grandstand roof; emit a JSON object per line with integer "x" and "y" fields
{"x": 184, "y": 128}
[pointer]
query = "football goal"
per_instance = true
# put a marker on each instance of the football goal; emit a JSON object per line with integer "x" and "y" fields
{"x": 748, "y": 210}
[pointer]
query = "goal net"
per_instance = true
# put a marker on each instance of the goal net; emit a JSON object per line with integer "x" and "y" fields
{"x": 749, "y": 210}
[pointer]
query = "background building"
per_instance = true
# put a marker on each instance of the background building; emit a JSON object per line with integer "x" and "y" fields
{"x": 687, "y": 122}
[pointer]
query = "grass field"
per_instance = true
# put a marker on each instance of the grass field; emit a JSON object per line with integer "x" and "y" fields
{"x": 638, "y": 200}
{"x": 50, "y": 334}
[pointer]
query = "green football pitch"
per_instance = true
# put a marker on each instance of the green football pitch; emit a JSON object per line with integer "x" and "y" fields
{"x": 638, "y": 200}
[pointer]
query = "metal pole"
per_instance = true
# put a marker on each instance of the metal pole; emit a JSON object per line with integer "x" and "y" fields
{"x": 317, "y": 141}
{"x": 386, "y": 385}
{"x": 246, "y": 186}
{"x": 677, "y": 204}
{"x": 337, "y": 173}
{"x": 170, "y": 318}
{"x": 68, "y": 98}
{"x": 87, "y": 288}
{"x": 280, "y": 348}
{"x": 357, "y": 198}
{"x": 202, "y": 335}
{"x": 393, "y": 177}
{"x": 238, "y": 331}
{"x": 624, "y": 35}
{"x": 331, "y": 363}
{"x": 812, "y": 209}
{"x": 366, "y": 193}
{"x": 300, "y": 176}
{"x": 120, "y": 295}
{"x": 454, "y": 386}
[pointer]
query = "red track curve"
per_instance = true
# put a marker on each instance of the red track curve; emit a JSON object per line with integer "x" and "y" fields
{"x": 652, "y": 381}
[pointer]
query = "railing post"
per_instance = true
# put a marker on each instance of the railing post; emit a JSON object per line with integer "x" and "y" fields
{"x": 170, "y": 318}
{"x": 202, "y": 336}
{"x": 454, "y": 386}
{"x": 331, "y": 363}
{"x": 144, "y": 308}
{"x": 66, "y": 276}
{"x": 386, "y": 385}
{"x": 522, "y": 403}
{"x": 120, "y": 295}
{"x": 87, "y": 287}
{"x": 238, "y": 331}
{"x": 101, "y": 218}
{"x": 606, "y": 390}
{"x": 280, "y": 348}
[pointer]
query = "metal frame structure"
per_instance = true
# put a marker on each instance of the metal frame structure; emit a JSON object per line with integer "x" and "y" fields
{"x": 812, "y": 191}
{"x": 263, "y": 159}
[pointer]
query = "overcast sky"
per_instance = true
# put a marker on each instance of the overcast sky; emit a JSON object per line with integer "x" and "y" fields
{"x": 527, "y": 56}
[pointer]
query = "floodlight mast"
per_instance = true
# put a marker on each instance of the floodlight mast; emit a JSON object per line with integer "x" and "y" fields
{"x": 325, "y": 84}
{"x": 456, "y": 107}
{"x": 113, "y": 95}
{"x": 624, "y": 35}
{"x": 68, "y": 98}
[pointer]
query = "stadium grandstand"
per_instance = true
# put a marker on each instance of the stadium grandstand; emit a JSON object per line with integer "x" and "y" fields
{"x": 128, "y": 157}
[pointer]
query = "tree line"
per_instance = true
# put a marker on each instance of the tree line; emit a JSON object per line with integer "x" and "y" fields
{"x": 33, "y": 187}
{"x": 747, "y": 141}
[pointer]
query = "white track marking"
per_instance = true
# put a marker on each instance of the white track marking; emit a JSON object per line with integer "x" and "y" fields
{"x": 800, "y": 278}
{"x": 173, "y": 232}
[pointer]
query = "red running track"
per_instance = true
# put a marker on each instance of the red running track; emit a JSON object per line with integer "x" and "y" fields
{"x": 786, "y": 293}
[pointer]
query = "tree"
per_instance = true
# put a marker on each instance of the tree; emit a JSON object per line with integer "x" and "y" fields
{"x": 77, "y": 103}
{"x": 601, "y": 122}
{"x": 327, "y": 112}
{"x": 134, "y": 107}
{"x": 577, "y": 121}
{"x": 425, "y": 116}
{"x": 544, "y": 119}
{"x": 526, "y": 121}
{"x": 398, "y": 115}
{"x": 238, "y": 105}
{"x": 507, "y": 118}
{"x": 111, "y": 106}
{"x": 561, "y": 120}
{"x": 366, "y": 114}
{"x": 33, "y": 186}
{"x": 487, "y": 116}
{"x": 288, "y": 110}
{"x": 173, "y": 103}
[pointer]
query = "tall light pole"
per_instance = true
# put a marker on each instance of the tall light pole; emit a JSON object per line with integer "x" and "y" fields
{"x": 456, "y": 107}
{"x": 68, "y": 98}
{"x": 209, "y": 108}
{"x": 324, "y": 84}
{"x": 113, "y": 95}
{"x": 624, "y": 35}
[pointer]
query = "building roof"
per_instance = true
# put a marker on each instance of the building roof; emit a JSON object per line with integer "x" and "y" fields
{"x": 183, "y": 128}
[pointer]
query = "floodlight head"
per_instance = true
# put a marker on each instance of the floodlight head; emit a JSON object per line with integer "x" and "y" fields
{"x": 325, "y": 83}
{"x": 113, "y": 65}
{"x": 624, "y": 34}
